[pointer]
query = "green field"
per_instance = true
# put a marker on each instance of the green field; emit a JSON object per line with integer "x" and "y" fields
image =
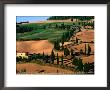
{"x": 41, "y": 34}
{"x": 50, "y": 35}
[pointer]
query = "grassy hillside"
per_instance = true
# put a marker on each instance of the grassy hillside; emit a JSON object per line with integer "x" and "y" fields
{"x": 41, "y": 32}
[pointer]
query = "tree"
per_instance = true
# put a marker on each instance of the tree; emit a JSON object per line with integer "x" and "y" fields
{"x": 52, "y": 57}
{"x": 85, "y": 49}
{"x": 71, "y": 19}
{"x": 81, "y": 51}
{"x": 76, "y": 40}
{"x": 56, "y": 26}
{"x": 89, "y": 50}
{"x": 75, "y": 61}
{"x": 78, "y": 62}
{"x": 80, "y": 65}
{"x": 66, "y": 52}
{"x": 23, "y": 28}
{"x": 49, "y": 26}
{"x": 62, "y": 60}
{"x": 57, "y": 59}
{"x": 56, "y": 45}
{"x": 43, "y": 56}
{"x": 86, "y": 67}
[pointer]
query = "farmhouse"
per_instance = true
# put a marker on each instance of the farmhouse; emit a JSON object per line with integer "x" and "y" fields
{"x": 23, "y": 55}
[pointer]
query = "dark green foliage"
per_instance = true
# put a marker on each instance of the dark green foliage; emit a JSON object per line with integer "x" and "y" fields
{"x": 56, "y": 26}
{"x": 22, "y": 29}
{"x": 80, "y": 65}
{"x": 78, "y": 62}
{"x": 56, "y": 45}
{"x": 89, "y": 67}
{"x": 18, "y": 59}
{"x": 38, "y": 56}
{"x": 86, "y": 67}
{"x": 66, "y": 52}
{"x": 70, "y": 17}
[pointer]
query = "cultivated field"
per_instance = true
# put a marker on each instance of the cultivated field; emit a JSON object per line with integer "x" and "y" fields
{"x": 38, "y": 46}
{"x": 40, "y": 34}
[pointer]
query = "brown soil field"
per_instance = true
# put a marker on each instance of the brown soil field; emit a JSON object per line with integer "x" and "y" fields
{"x": 89, "y": 59}
{"x": 32, "y": 68}
{"x": 85, "y": 35}
{"x": 39, "y": 46}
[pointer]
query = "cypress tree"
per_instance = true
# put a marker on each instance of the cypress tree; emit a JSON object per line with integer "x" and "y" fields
{"x": 85, "y": 49}
{"x": 62, "y": 60}
{"x": 57, "y": 59}
{"x": 66, "y": 52}
{"x": 43, "y": 56}
{"x": 76, "y": 40}
{"x": 56, "y": 45}
{"x": 52, "y": 57}
{"x": 81, "y": 51}
{"x": 89, "y": 50}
